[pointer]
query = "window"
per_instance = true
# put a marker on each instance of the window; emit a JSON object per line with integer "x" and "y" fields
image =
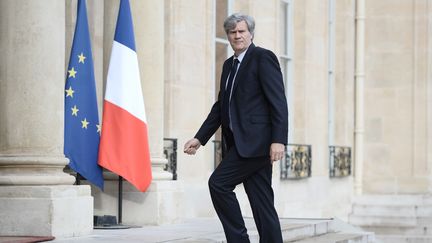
{"x": 222, "y": 48}
{"x": 223, "y": 8}
{"x": 286, "y": 61}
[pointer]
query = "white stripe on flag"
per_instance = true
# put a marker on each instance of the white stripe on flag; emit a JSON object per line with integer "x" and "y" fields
{"x": 123, "y": 81}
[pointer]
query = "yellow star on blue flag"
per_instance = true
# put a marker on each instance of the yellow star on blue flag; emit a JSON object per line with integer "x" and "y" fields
{"x": 81, "y": 141}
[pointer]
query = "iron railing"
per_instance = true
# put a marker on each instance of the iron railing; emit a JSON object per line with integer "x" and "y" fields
{"x": 297, "y": 162}
{"x": 339, "y": 161}
{"x": 170, "y": 152}
{"x": 217, "y": 145}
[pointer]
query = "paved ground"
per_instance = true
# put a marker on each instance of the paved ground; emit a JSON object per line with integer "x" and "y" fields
{"x": 200, "y": 230}
{"x": 193, "y": 230}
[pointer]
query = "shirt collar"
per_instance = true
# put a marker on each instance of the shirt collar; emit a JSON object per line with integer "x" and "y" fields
{"x": 241, "y": 56}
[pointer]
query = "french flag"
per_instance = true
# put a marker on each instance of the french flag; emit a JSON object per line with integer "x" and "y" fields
{"x": 124, "y": 147}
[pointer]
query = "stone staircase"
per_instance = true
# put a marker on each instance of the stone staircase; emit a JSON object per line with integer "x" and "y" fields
{"x": 306, "y": 231}
{"x": 322, "y": 231}
{"x": 209, "y": 230}
{"x": 394, "y": 218}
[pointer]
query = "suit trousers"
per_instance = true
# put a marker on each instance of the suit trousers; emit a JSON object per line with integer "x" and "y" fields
{"x": 255, "y": 174}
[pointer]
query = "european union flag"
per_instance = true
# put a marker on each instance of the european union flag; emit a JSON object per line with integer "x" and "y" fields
{"x": 82, "y": 128}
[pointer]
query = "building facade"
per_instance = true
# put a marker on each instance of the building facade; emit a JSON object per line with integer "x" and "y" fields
{"x": 360, "y": 105}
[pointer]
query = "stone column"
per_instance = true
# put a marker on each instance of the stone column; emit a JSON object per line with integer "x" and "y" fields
{"x": 190, "y": 94}
{"x": 148, "y": 20}
{"x": 429, "y": 94}
{"x": 359, "y": 97}
{"x": 149, "y": 36}
{"x": 158, "y": 205}
{"x": 36, "y": 197}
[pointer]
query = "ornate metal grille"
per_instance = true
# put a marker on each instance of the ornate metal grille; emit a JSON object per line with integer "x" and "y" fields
{"x": 295, "y": 165}
{"x": 170, "y": 152}
{"x": 297, "y": 162}
{"x": 340, "y": 161}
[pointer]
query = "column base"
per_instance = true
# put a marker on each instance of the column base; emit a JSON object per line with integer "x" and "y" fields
{"x": 26, "y": 170}
{"x": 158, "y": 171}
{"x": 59, "y": 211}
{"x": 158, "y": 205}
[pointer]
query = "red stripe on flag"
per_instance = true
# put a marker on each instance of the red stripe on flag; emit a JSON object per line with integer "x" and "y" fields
{"x": 124, "y": 147}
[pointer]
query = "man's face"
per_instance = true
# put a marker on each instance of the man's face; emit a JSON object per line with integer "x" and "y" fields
{"x": 240, "y": 38}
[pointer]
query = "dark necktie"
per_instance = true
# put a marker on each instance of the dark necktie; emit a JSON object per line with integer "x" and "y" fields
{"x": 226, "y": 98}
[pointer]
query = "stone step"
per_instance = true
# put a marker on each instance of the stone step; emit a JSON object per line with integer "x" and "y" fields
{"x": 424, "y": 221}
{"x": 201, "y": 230}
{"x": 424, "y": 210}
{"x": 418, "y": 230}
{"x": 395, "y": 218}
{"x": 394, "y": 200}
{"x": 384, "y": 210}
{"x": 403, "y": 239}
{"x": 297, "y": 230}
{"x": 388, "y": 221}
{"x": 338, "y": 237}
{"x": 393, "y": 210}
{"x": 294, "y": 229}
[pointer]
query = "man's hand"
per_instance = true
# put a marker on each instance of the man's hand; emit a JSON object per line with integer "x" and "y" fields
{"x": 192, "y": 146}
{"x": 277, "y": 151}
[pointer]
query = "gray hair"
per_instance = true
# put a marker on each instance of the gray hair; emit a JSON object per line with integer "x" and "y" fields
{"x": 231, "y": 22}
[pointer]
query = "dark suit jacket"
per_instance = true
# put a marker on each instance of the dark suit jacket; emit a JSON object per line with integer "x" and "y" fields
{"x": 259, "y": 113}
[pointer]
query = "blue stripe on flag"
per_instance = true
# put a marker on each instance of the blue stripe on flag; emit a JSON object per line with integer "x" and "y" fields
{"x": 124, "y": 33}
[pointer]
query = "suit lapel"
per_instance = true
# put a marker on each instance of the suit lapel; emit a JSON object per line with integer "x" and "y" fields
{"x": 238, "y": 78}
{"x": 224, "y": 76}
{"x": 225, "y": 71}
{"x": 243, "y": 64}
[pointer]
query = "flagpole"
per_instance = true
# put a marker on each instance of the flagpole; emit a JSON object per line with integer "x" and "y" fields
{"x": 78, "y": 179}
{"x": 120, "y": 199}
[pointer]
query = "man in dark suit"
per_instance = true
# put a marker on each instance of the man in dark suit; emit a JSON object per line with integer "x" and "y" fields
{"x": 252, "y": 110}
